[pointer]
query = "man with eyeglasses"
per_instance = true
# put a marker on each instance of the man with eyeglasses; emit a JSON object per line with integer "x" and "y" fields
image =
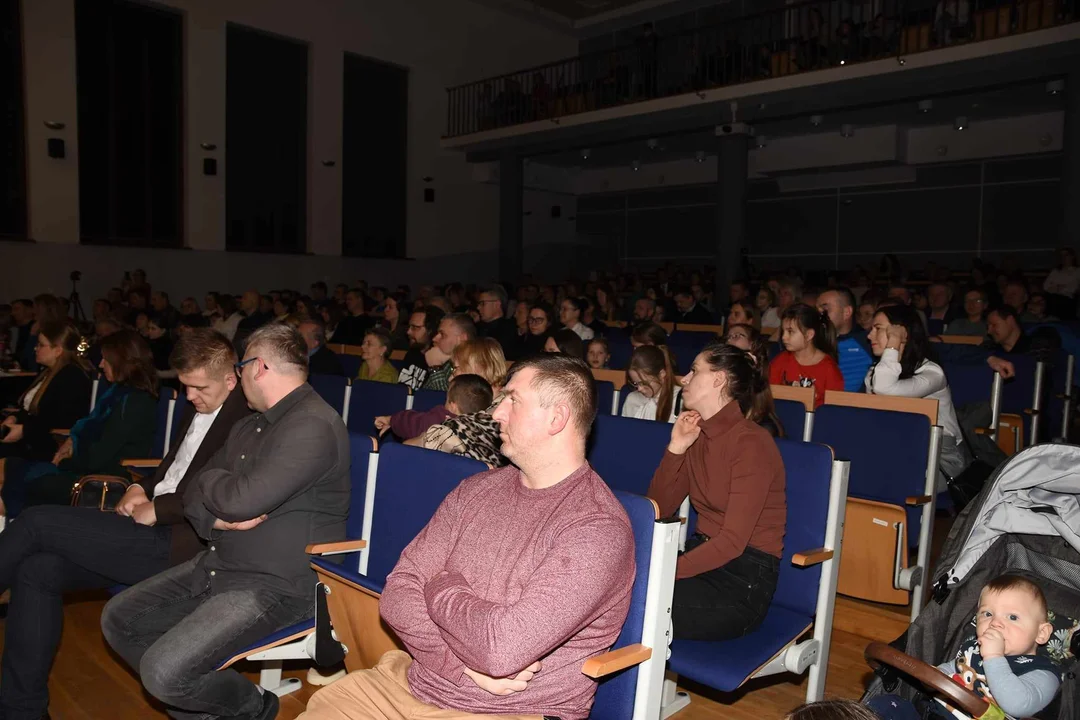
{"x": 493, "y": 321}
{"x": 974, "y": 320}
{"x": 52, "y": 550}
{"x": 423, "y": 325}
{"x": 280, "y": 483}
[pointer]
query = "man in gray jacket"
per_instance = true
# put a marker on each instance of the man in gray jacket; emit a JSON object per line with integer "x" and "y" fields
{"x": 280, "y": 483}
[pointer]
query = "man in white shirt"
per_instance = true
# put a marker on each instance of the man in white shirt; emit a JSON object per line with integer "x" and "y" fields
{"x": 51, "y": 550}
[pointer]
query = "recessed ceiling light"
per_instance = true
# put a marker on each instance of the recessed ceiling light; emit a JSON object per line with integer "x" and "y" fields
{"x": 586, "y": 153}
{"x": 816, "y": 120}
{"x": 700, "y": 156}
{"x": 961, "y": 123}
{"x": 925, "y": 105}
{"x": 636, "y": 165}
{"x": 1055, "y": 87}
{"x": 847, "y": 131}
{"x": 761, "y": 141}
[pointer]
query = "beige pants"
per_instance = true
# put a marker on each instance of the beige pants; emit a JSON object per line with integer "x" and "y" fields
{"x": 382, "y": 693}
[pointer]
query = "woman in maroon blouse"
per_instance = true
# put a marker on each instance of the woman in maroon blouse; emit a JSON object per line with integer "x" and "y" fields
{"x": 732, "y": 471}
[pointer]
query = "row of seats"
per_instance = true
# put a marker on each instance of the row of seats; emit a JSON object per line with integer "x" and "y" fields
{"x": 397, "y": 488}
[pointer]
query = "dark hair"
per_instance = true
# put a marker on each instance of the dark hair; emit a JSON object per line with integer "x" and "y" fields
{"x": 747, "y": 384}
{"x": 319, "y": 285}
{"x": 847, "y": 298}
{"x": 569, "y": 343}
{"x": 131, "y": 360}
{"x": 650, "y": 360}
{"x": 1005, "y": 312}
{"x": 472, "y": 393}
{"x": 203, "y": 348}
{"x": 48, "y": 308}
{"x": 383, "y": 336}
{"x": 649, "y": 333}
{"x": 579, "y": 304}
{"x": 601, "y": 341}
{"x": 432, "y": 317}
{"x": 403, "y": 307}
{"x": 561, "y": 377}
{"x": 807, "y": 318}
{"x": 546, "y": 309}
{"x": 227, "y": 303}
{"x": 832, "y": 710}
{"x": 1012, "y": 581}
{"x": 917, "y": 346}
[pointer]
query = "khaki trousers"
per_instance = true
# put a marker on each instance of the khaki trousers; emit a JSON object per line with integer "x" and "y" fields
{"x": 382, "y": 693}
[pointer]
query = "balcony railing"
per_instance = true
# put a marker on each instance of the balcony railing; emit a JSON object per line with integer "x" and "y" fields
{"x": 796, "y": 38}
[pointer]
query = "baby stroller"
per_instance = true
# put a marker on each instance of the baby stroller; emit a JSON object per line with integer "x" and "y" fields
{"x": 1026, "y": 520}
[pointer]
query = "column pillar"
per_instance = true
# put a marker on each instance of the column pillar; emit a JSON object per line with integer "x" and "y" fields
{"x": 733, "y": 144}
{"x": 1070, "y": 177}
{"x": 511, "y": 207}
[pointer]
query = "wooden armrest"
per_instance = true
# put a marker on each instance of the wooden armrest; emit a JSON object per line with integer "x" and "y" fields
{"x": 811, "y": 557}
{"x": 141, "y": 462}
{"x": 917, "y": 499}
{"x": 983, "y": 431}
{"x": 1031, "y": 411}
{"x": 332, "y": 548}
{"x": 615, "y": 660}
{"x": 61, "y": 431}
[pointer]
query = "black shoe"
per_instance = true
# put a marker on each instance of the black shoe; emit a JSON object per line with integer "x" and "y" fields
{"x": 269, "y": 707}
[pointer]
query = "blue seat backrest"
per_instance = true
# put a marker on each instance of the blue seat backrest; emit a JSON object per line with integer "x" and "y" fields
{"x": 369, "y": 399}
{"x": 615, "y": 694}
{"x": 808, "y": 473}
{"x": 888, "y": 453}
{"x": 428, "y": 399}
{"x": 350, "y": 364}
{"x": 410, "y": 485}
{"x": 331, "y": 388}
{"x": 625, "y": 452}
{"x": 619, "y": 342}
{"x": 161, "y": 419}
{"x": 792, "y": 416}
{"x": 686, "y": 345}
{"x": 605, "y": 393}
{"x": 360, "y": 450}
{"x": 968, "y": 383}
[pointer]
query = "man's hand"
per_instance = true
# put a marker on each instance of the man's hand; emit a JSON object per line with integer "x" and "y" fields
{"x": 507, "y": 685}
{"x": 145, "y": 514}
{"x": 15, "y": 434}
{"x": 1002, "y": 367}
{"x": 992, "y": 644}
{"x": 134, "y": 496}
{"x": 220, "y": 524}
{"x": 66, "y": 450}
{"x": 382, "y": 424}
{"x": 435, "y": 357}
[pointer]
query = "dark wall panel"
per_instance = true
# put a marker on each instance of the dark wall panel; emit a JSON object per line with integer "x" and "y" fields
{"x": 12, "y": 133}
{"x": 375, "y": 158}
{"x": 129, "y": 65}
{"x": 266, "y": 142}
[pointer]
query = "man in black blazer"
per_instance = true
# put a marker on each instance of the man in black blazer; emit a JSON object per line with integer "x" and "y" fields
{"x": 321, "y": 360}
{"x": 51, "y": 550}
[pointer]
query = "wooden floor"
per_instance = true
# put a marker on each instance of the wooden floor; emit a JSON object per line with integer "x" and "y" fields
{"x": 88, "y": 682}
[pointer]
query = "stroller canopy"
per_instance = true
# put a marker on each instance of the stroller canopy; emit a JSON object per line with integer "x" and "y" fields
{"x": 1037, "y": 492}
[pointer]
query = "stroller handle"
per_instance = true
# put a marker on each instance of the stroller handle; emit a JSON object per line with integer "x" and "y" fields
{"x": 878, "y": 654}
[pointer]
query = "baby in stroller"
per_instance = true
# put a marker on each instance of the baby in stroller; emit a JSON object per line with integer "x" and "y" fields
{"x": 999, "y": 661}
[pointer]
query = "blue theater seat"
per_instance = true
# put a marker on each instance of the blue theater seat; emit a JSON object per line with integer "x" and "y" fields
{"x": 625, "y": 452}
{"x": 816, "y": 486}
{"x": 331, "y": 388}
{"x": 424, "y": 400}
{"x": 369, "y": 399}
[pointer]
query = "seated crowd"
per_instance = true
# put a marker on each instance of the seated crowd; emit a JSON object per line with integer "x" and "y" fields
{"x": 212, "y": 544}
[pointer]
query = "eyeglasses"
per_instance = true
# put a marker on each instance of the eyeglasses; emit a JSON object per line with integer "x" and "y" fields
{"x": 537, "y": 320}
{"x": 239, "y": 367}
{"x": 485, "y": 302}
{"x": 737, "y": 336}
{"x": 416, "y": 327}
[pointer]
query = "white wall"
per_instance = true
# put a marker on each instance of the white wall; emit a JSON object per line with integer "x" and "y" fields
{"x": 442, "y": 42}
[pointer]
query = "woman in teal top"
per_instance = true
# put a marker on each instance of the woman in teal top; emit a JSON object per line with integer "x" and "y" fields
{"x": 120, "y": 426}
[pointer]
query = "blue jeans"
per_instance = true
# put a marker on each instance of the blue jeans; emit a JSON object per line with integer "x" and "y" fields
{"x": 175, "y": 638}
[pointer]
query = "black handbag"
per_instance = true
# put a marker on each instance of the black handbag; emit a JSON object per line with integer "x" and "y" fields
{"x": 99, "y": 491}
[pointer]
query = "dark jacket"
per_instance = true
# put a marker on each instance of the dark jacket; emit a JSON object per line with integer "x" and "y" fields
{"x": 170, "y": 508}
{"x": 127, "y": 432}
{"x": 698, "y": 315}
{"x": 502, "y": 330}
{"x": 325, "y": 362}
{"x": 63, "y": 401}
{"x": 351, "y": 329}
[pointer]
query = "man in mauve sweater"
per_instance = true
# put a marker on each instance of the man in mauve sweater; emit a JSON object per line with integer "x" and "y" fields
{"x": 523, "y": 574}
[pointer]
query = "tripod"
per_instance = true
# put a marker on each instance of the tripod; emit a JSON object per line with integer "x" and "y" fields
{"x": 75, "y": 304}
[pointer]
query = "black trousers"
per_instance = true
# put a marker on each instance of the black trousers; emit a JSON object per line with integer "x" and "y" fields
{"x": 727, "y": 602}
{"x": 46, "y": 552}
